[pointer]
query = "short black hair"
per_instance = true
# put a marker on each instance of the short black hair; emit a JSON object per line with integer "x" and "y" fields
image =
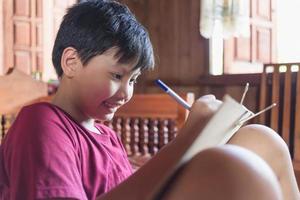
{"x": 94, "y": 26}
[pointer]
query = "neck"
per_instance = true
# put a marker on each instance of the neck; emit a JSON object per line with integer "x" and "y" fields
{"x": 66, "y": 101}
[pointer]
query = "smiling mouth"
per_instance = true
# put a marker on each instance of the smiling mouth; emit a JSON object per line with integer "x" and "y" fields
{"x": 112, "y": 107}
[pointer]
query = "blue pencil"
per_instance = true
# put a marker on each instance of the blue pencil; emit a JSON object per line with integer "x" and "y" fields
{"x": 173, "y": 94}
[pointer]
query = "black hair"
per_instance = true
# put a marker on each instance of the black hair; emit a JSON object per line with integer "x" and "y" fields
{"x": 92, "y": 27}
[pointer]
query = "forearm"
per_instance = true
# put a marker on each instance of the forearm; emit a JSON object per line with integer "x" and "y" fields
{"x": 154, "y": 172}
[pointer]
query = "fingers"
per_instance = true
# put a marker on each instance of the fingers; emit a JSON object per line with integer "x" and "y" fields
{"x": 202, "y": 110}
{"x": 206, "y": 105}
{"x": 208, "y": 97}
{"x": 211, "y": 102}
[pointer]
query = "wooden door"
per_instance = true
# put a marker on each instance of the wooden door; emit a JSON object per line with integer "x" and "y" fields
{"x": 23, "y": 35}
{"x": 246, "y": 55}
{"x": 29, "y": 30}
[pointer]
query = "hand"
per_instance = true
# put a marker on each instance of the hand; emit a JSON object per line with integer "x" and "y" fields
{"x": 202, "y": 110}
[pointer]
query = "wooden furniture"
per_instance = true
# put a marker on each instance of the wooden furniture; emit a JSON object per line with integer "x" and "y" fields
{"x": 280, "y": 84}
{"x": 148, "y": 122}
{"x": 16, "y": 90}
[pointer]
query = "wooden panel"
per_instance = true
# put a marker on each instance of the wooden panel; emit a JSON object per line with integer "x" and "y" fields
{"x": 263, "y": 9}
{"x": 39, "y": 8}
{"x": 22, "y": 60}
{"x": 248, "y": 56}
{"x": 184, "y": 40}
{"x": 22, "y": 8}
{"x": 263, "y": 45}
{"x": 243, "y": 49}
{"x": 39, "y": 36}
{"x": 22, "y": 34}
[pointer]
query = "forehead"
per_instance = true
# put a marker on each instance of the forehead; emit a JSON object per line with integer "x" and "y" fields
{"x": 114, "y": 59}
{"x": 108, "y": 61}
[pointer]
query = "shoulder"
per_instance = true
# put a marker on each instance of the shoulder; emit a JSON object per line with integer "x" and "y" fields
{"x": 38, "y": 118}
{"x": 37, "y": 110}
{"x": 40, "y": 114}
{"x": 42, "y": 124}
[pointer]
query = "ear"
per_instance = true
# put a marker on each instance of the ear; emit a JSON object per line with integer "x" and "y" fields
{"x": 70, "y": 62}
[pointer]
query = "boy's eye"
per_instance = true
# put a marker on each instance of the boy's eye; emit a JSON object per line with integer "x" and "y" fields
{"x": 116, "y": 76}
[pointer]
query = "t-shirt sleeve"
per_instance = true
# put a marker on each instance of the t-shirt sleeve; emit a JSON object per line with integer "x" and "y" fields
{"x": 42, "y": 159}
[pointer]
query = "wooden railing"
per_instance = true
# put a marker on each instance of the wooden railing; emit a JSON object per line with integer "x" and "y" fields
{"x": 280, "y": 84}
{"x": 149, "y": 121}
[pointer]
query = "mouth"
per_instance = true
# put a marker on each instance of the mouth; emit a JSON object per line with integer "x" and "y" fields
{"x": 112, "y": 107}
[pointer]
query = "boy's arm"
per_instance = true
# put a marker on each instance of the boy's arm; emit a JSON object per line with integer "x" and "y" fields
{"x": 154, "y": 172}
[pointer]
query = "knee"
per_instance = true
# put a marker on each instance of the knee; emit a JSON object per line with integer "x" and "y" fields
{"x": 237, "y": 168}
{"x": 230, "y": 158}
{"x": 232, "y": 170}
{"x": 260, "y": 138}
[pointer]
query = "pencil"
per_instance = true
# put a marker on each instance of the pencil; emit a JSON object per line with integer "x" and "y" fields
{"x": 173, "y": 94}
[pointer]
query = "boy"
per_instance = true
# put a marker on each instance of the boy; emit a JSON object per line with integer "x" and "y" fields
{"x": 57, "y": 151}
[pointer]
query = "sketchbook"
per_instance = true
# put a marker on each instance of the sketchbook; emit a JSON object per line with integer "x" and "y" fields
{"x": 220, "y": 128}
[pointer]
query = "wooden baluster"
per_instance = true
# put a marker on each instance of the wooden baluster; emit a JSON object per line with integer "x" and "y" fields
{"x": 126, "y": 135}
{"x": 134, "y": 136}
{"x": 275, "y": 99}
{"x": 172, "y": 129}
{"x": 163, "y": 132}
{"x": 153, "y": 136}
{"x": 117, "y": 126}
{"x": 297, "y": 124}
{"x": 144, "y": 136}
{"x": 263, "y": 95}
{"x": 286, "y": 108}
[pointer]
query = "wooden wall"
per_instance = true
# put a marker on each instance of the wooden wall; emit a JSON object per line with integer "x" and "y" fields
{"x": 182, "y": 53}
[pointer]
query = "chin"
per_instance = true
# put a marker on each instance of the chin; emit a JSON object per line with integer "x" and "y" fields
{"x": 107, "y": 117}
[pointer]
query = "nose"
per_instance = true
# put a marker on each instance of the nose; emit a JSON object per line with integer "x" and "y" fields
{"x": 125, "y": 91}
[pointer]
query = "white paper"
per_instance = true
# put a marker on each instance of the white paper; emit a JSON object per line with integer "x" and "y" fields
{"x": 220, "y": 128}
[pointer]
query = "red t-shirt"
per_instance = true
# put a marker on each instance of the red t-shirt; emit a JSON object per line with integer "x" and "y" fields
{"x": 46, "y": 154}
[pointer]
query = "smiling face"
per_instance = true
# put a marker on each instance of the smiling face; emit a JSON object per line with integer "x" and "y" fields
{"x": 100, "y": 87}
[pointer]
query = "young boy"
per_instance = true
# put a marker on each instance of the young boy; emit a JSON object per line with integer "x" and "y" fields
{"x": 57, "y": 151}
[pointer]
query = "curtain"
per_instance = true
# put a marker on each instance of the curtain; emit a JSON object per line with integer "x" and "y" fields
{"x": 226, "y": 18}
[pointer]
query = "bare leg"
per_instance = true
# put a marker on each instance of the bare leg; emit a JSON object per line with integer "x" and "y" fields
{"x": 228, "y": 173}
{"x": 269, "y": 146}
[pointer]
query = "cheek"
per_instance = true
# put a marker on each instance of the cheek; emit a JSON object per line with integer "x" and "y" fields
{"x": 107, "y": 90}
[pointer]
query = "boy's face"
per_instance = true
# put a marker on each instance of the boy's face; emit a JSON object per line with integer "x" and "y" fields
{"x": 103, "y": 85}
